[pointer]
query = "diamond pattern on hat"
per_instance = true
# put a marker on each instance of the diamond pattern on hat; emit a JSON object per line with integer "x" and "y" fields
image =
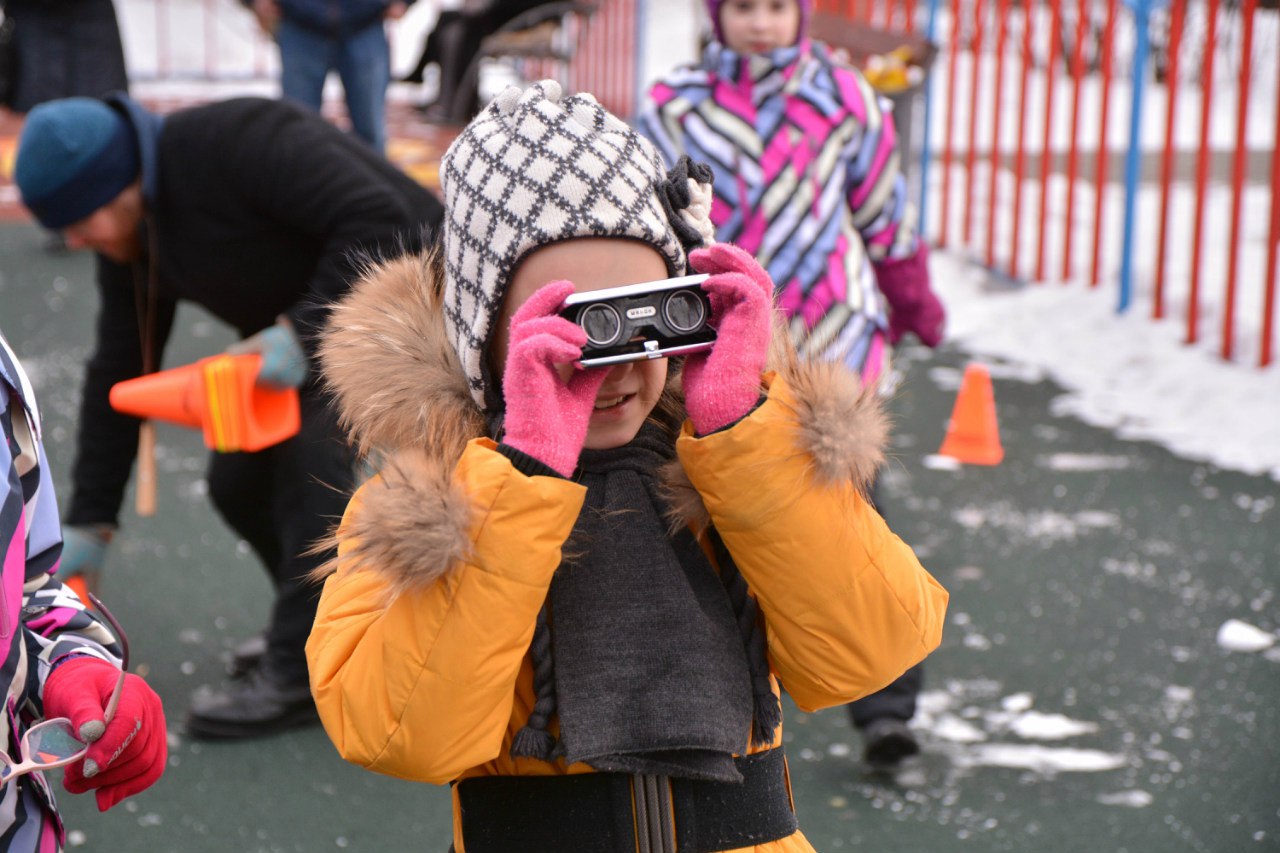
{"x": 535, "y": 168}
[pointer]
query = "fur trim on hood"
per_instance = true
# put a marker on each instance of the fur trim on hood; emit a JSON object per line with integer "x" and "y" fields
{"x": 402, "y": 396}
{"x": 393, "y": 373}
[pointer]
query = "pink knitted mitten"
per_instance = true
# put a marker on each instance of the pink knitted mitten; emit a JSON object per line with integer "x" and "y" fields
{"x": 721, "y": 385}
{"x": 546, "y": 417}
{"x": 913, "y": 306}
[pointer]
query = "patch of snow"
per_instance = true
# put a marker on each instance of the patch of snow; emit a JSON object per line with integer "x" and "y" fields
{"x": 1083, "y": 462}
{"x": 1041, "y": 759}
{"x": 951, "y": 728}
{"x": 1238, "y": 636}
{"x": 1134, "y": 799}
{"x": 1034, "y": 725}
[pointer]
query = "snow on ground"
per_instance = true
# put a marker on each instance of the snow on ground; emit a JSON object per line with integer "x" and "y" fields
{"x": 963, "y": 727}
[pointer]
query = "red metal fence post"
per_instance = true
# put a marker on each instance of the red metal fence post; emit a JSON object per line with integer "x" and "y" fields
{"x": 1237, "y": 182}
{"x": 1020, "y": 158}
{"x": 1054, "y": 32}
{"x": 1166, "y": 160}
{"x": 971, "y": 156}
{"x": 1104, "y": 152}
{"x": 950, "y": 132}
{"x": 1202, "y": 171}
{"x": 1002, "y": 38}
{"x": 1273, "y": 248}
{"x": 1073, "y": 148}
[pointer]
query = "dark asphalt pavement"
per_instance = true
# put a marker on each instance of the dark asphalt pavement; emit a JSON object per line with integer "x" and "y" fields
{"x": 1080, "y": 700}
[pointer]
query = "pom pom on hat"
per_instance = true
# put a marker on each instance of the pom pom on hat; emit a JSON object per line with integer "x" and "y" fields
{"x": 74, "y": 156}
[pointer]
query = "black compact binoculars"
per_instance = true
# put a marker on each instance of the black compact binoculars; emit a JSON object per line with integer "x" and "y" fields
{"x": 653, "y": 319}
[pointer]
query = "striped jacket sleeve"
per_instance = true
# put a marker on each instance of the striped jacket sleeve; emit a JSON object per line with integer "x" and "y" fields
{"x": 659, "y": 126}
{"x": 876, "y": 187}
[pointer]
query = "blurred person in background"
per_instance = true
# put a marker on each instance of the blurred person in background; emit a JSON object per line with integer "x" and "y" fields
{"x": 808, "y": 179}
{"x": 346, "y": 36}
{"x": 451, "y": 46}
{"x": 262, "y": 213}
{"x": 59, "y": 50}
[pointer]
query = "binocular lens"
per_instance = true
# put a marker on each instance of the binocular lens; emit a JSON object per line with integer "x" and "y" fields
{"x": 684, "y": 311}
{"x": 601, "y": 323}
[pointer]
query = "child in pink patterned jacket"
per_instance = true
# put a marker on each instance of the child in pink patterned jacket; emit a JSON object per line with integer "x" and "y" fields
{"x": 807, "y": 179}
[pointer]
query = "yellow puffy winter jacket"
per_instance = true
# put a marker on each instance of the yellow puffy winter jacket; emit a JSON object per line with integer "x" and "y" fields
{"x": 419, "y": 654}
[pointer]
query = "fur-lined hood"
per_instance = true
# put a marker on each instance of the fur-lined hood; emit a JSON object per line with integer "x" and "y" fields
{"x": 403, "y": 399}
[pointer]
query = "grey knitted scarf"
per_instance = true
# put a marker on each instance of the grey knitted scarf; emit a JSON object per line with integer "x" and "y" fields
{"x": 654, "y": 664}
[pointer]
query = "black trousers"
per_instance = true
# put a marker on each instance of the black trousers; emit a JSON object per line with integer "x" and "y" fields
{"x": 897, "y": 700}
{"x": 453, "y": 44}
{"x": 281, "y": 501}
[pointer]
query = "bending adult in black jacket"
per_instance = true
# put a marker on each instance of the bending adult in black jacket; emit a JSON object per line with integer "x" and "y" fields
{"x": 261, "y": 213}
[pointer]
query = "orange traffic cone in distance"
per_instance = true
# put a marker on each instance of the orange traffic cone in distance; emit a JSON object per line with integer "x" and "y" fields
{"x": 973, "y": 435}
{"x": 217, "y": 395}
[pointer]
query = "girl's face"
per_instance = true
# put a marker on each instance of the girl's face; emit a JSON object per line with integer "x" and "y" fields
{"x": 631, "y": 390}
{"x": 759, "y": 26}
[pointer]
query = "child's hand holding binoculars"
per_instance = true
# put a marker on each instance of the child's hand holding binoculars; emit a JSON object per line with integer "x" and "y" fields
{"x": 722, "y": 385}
{"x": 547, "y": 418}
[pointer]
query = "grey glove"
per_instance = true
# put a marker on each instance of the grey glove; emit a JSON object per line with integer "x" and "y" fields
{"x": 284, "y": 364}
{"x": 84, "y": 550}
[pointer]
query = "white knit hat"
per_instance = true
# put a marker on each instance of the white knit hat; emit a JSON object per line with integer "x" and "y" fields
{"x": 535, "y": 168}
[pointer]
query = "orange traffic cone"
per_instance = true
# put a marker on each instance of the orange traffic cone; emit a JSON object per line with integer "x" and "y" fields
{"x": 218, "y": 396}
{"x": 973, "y": 435}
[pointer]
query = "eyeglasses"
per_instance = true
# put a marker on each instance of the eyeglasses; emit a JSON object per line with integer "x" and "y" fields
{"x": 55, "y": 742}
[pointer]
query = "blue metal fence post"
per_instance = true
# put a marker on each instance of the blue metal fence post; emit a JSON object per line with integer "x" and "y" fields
{"x": 1142, "y": 10}
{"x": 930, "y": 32}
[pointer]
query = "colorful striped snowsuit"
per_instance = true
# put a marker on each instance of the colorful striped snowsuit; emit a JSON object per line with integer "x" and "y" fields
{"x": 41, "y": 621}
{"x": 807, "y": 178}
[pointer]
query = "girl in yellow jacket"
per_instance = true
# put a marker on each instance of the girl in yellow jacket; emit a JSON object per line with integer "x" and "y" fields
{"x": 571, "y": 592}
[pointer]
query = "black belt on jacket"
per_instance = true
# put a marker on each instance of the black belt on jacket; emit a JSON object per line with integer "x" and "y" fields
{"x": 627, "y": 813}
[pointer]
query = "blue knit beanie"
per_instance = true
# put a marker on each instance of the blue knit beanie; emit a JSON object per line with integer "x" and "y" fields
{"x": 74, "y": 156}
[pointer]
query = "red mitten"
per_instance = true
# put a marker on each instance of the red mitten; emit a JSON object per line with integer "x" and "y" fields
{"x": 723, "y": 384}
{"x": 548, "y": 418}
{"x": 127, "y": 754}
{"x": 913, "y": 306}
